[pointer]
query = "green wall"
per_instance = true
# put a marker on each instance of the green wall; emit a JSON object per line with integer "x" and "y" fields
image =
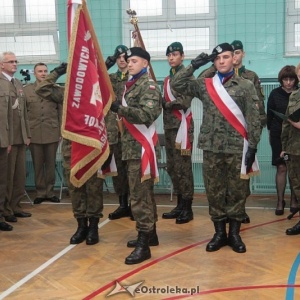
{"x": 259, "y": 24}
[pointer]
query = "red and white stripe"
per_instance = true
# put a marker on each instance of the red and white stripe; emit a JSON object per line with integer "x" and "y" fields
{"x": 148, "y": 138}
{"x": 182, "y": 138}
{"x": 233, "y": 115}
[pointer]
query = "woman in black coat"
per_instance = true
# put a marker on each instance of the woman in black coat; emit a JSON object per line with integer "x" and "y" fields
{"x": 278, "y": 101}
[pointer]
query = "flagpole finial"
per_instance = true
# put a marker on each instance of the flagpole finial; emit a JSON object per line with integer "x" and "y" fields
{"x": 133, "y": 18}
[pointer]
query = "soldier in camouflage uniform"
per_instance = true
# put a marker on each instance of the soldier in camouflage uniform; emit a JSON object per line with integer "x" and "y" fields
{"x": 140, "y": 107}
{"x": 240, "y": 70}
{"x": 222, "y": 144}
{"x": 87, "y": 201}
{"x": 290, "y": 138}
{"x": 120, "y": 182}
{"x": 179, "y": 161}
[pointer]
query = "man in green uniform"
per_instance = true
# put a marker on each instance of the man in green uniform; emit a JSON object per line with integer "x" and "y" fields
{"x": 16, "y": 171}
{"x": 114, "y": 128}
{"x": 6, "y": 133}
{"x": 179, "y": 130}
{"x": 87, "y": 201}
{"x": 45, "y": 121}
{"x": 229, "y": 135}
{"x": 141, "y": 106}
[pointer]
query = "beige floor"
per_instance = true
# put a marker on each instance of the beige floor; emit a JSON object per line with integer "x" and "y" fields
{"x": 37, "y": 261}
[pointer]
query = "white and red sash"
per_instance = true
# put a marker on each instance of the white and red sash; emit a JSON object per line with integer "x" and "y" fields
{"x": 233, "y": 115}
{"x": 182, "y": 141}
{"x": 148, "y": 138}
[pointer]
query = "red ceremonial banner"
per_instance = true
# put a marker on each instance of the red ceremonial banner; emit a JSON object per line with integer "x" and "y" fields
{"x": 88, "y": 96}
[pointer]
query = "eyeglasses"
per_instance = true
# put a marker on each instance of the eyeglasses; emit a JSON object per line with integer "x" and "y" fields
{"x": 11, "y": 62}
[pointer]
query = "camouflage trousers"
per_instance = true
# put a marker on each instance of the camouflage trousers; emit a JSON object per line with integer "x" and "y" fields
{"x": 179, "y": 167}
{"x": 87, "y": 201}
{"x": 120, "y": 182}
{"x": 143, "y": 205}
{"x": 226, "y": 191}
{"x": 293, "y": 167}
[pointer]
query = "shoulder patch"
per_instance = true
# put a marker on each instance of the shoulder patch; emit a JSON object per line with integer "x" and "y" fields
{"x": 151, "y": 87}
{"x": 150, "y": 104}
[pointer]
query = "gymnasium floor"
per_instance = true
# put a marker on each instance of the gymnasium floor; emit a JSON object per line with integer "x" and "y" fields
{"x": 37, "y": 261}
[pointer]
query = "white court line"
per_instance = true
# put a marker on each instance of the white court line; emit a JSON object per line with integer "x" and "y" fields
{"x": 42, "y": 267}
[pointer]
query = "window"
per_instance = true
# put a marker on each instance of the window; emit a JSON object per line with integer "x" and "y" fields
{"x": 29, "y": 29}
{"x": 292, "y": 28}
{"x": 161, "y": 22}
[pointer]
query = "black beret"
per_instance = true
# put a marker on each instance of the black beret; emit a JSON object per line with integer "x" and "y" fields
{"x": 222, "y": 48}
{"x": 137, "y": 51}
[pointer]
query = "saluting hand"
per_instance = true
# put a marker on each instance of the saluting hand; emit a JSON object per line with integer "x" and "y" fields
{"x": 110, "y": 61}
{"x": 202, "y": 59}
{"x": 61, "y": 69}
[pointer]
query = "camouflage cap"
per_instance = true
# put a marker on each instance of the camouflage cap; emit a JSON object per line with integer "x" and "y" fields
{"x": 222, "y": 48}
{"x": 237, "y": 45}
{"x": 137, "y": 51}
{"x": 120, "y": 50}
{"x": 176, "y": 46}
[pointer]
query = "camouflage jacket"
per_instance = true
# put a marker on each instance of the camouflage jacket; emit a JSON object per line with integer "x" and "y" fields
{"x": 216, "y": 134}
{"x": 184, "y": 102}
{"x": 252, "y": 76}
{"x": 118, "y": 85}
{"x": 290, "y": 135}
{"x": 144, "y": 107}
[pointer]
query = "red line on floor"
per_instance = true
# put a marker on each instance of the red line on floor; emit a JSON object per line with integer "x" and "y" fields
{"x": 235, "y": 288}
{"x": 155, "y": 261}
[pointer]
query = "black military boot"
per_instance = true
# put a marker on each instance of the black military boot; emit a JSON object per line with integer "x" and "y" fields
{"x": 92, "y": 236}
{"x": 175, "y": 212}
{"x": 153, "y": 239}
{"x": 186, "y": 214}
{"x": 80, "y": 235}
{"x": 123, "y": 210}
{"x": 294, "y": 230}
{"x": 220, "y": 237}
{"x": 234, "y": 239}
{"x": 246, "y": 219}
{"x": 141, "y": 251}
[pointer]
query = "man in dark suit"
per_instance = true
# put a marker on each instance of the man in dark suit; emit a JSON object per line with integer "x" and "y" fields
{"x": 16, "y": 172}
{"x": 44, "y": 120}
